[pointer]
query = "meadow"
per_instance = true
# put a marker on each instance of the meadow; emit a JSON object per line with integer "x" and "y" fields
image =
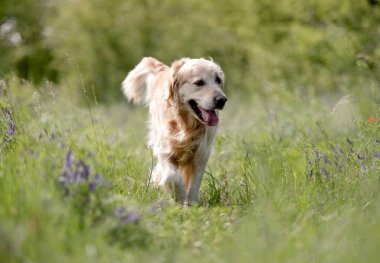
{"x": 288, "y": 181}
{"x": 294, "y": 174}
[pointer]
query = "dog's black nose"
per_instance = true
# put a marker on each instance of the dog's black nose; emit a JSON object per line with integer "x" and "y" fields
{"x": 220, "y": 100}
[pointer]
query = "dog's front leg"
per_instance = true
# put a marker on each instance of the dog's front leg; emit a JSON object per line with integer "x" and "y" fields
{"x": 171, "y": 179}
{"x": 194, "y": 175}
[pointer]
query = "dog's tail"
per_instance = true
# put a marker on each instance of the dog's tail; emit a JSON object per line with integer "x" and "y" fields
{"x": 137, "y": 84}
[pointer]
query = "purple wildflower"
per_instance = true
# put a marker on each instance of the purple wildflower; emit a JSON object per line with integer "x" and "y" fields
{"x": 317, "y": 157}
{"x": 376, "y": 155}
{"x": 159, "y": 205}
{"x": 78, "y": 174}
{"x": 131, "y": 217}
{"x": 7, "y": 114}
{"x": 11, "y": 131}
{"x": 119, "y": 211}
{"x": 351, "y": 150}
{"x": 68, "y": 161}
{"x": 83, "y": 170}
{"x": 325, "y": 159}
{"x": 324, "y": 171}
{"x": 364, "y": 167}
{"x": 93, "y": 185}
{"x": 11, "y": 128}
{"x": 125, "y": 217}
{"x": 361, "y": 157}
{"x": 325, "y": 162}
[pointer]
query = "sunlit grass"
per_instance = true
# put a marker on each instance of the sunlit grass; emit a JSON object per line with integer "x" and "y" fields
{"x": 289, "y": 180}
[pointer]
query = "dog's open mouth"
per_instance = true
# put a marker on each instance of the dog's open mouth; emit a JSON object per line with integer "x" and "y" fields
{"x": 208, "y": 117}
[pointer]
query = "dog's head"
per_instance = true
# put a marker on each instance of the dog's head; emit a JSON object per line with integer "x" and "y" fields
{"x": 197, "y": 85}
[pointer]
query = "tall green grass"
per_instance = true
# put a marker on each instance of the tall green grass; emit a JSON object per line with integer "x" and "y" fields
{"x": 292, "y": 178}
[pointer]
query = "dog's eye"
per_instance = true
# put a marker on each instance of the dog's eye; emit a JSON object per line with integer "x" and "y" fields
{"x": 199, "y": 83}
{"x": 218, "y": 80}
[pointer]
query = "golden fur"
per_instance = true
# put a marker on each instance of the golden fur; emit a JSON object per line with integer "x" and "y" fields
{"x": 183, "y": 101}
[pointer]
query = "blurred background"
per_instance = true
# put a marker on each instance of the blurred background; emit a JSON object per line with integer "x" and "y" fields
{"x": 264, "y": 47}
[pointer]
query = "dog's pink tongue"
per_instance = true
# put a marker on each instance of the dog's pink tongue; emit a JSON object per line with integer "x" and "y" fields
{"x": 209, "y": 117}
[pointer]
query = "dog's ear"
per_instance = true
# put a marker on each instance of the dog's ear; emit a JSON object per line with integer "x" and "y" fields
{"x": 171, "y": 92}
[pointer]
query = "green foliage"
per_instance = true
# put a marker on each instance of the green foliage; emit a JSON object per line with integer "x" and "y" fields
{"x": 262, "y": 46}
{"x": 258, "y": 44}
{"x": 23, "y": 41}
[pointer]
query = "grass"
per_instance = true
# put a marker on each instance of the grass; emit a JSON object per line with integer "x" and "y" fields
{"x": 289, "y": 180}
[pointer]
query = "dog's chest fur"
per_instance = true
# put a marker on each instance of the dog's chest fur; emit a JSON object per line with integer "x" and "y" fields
{"x": 187, "y": 138}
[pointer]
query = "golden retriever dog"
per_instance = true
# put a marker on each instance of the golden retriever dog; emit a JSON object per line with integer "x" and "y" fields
{"x": 183, "y": 101}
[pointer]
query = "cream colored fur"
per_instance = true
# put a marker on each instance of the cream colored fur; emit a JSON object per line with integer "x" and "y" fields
{"x": 179, "y": 139}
